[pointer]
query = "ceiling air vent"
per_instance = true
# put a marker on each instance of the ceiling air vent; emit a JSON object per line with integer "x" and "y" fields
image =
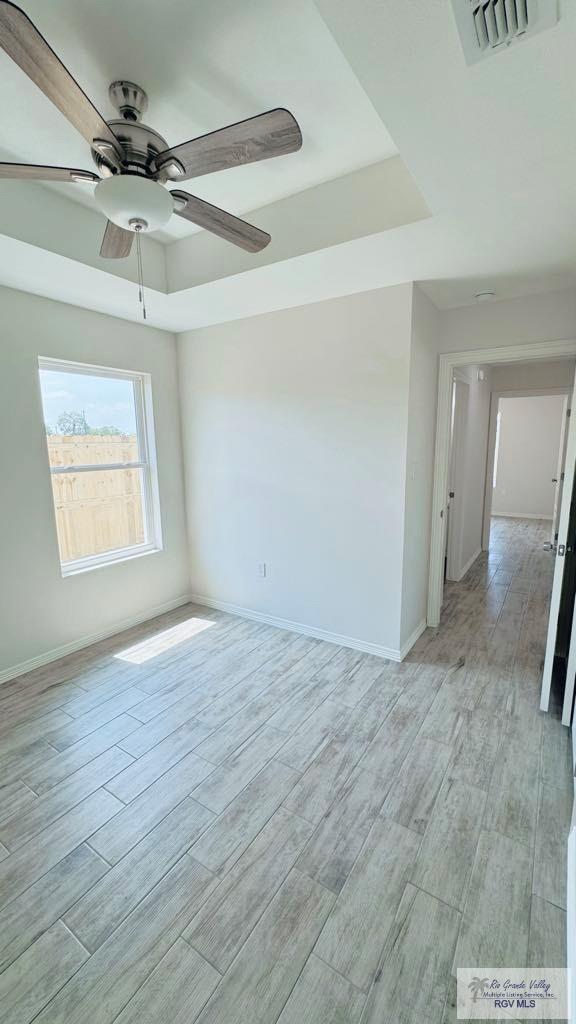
{"x": 487, "y": 26}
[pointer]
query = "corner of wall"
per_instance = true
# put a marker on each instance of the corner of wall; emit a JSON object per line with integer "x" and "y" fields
{"x": 421, "y": 432}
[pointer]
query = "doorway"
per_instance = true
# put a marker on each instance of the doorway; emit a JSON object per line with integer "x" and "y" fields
{"x": 524, "y": 490}
{"x": 449, "y": 364}
{"x": 526, "y": 454}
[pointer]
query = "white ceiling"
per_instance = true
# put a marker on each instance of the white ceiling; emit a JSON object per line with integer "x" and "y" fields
{"x": 203, "y": 65}
{"x": 491, "y": 148}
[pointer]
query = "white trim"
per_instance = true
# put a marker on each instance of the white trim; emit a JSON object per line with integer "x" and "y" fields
{"x": 98, "y": 467}
{"x": 454, "y": 519}
{"x": 489, "y": 478}
{"x": 447, "y": 363}
{"x": 409, "y": 644}
{"x": 141, "y": 381}
{"x": 468, "y": 566}
{"x": 112, "y": 557}
{"x": 299, "y": 627}
{"x": 533, "y": 392}
{"x": 69, "y": 365}
{"x": 85, "y": 641}
{"x": 522, "y": 515}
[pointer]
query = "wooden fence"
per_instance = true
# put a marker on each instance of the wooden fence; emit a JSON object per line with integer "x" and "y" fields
{"x": 99, "y": 510}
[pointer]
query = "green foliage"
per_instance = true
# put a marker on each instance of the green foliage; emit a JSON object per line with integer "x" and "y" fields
{"x": 108, "y": 431}
{"x": 75, "y": 423}
{"x": 72, "y": 423}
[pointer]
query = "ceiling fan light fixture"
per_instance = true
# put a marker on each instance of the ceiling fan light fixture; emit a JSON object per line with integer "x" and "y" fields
{"x": 127, "y": 199}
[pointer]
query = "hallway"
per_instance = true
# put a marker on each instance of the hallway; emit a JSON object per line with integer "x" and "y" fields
{"x": 513, "y": 759}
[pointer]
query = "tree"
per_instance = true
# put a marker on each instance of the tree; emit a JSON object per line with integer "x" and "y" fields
{"x": 72, "y": 423}
{"x": 107, "y": 431}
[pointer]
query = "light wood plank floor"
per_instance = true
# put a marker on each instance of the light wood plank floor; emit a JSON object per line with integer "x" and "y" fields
{"x": 206, "y": 819}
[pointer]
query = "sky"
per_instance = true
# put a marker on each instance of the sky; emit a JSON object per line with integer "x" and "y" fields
{"x": 105, "y": 402}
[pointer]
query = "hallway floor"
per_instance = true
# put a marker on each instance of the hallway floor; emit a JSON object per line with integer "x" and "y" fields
{"x": 514, "y": 757}
{"x": 207, "y": 819}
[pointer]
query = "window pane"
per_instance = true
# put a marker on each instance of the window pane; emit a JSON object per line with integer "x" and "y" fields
{"x": 98, "y": 511}
{"x": 91, "y": 449}
{"x": 80, "y": 405}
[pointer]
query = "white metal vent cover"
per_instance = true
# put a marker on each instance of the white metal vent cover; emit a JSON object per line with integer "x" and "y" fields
{"x": 487, "y": 26}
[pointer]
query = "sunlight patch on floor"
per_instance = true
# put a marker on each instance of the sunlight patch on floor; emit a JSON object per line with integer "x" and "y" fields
{"x": 161, "y": 642}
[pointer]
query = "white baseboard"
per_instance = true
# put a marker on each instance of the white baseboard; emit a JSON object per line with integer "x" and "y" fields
{"x": 409, "y": 644}
{"x": 299, "y": 627}
{"x": 85, "y": 641}
{"x": 521, "y": 515}
{"x": 469, "y": 564}
{"x": 465, "y": 568}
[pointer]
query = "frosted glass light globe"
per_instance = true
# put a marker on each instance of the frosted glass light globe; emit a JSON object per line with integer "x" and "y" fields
{"x": 126, "y": 197}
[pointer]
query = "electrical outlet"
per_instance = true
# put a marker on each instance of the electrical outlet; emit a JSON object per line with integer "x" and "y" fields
{"x": 262, "y": 569}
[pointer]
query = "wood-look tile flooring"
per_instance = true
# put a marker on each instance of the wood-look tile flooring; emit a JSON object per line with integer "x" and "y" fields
{"x": 211, "y": 820}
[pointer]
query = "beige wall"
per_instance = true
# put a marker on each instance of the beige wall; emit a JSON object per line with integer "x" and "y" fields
{"x": 39, "y": 609}
{"x": 528, "y": 453}
{"x": 558, "y": 373}
{"x": 295, "y": 433}
{"x": 535, "y": 318}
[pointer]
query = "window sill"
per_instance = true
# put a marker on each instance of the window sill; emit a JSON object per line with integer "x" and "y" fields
{"x": 107, "y": 559}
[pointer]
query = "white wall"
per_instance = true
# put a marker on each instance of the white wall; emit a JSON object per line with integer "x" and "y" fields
{"x": 528, "y": 456}
{"x": 295, "y": 431}
{"x": 39, "y": 609}
{"x": 540, "y": 374}
{"x": 423, "y": 390}
{"x": 475, "y": 453}
{"x": 535, "y": 318}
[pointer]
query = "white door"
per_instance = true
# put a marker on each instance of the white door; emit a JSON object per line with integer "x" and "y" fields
{"x": 559, "y": 479}
{"x": 559, "y": 571}
{"x": 456, "y": 480}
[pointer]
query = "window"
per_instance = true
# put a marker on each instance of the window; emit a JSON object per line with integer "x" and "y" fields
{"x": 101, "y": 452}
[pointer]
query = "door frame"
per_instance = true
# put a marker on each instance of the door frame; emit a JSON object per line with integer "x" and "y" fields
{"x": 454, "y": 517}
{"x": 494, "y": 401}
{"x": 448, "y": 363}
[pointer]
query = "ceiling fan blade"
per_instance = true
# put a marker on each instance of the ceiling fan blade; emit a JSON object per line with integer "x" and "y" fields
{"x": 231, "y": 228}
{"x": 116, "y": 243}
{"x": 258, "y": 138}
{"x": 39, "y": 172}
{"x": 22, "y": 41}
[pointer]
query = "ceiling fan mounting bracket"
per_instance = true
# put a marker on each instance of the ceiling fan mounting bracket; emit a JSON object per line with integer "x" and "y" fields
{"x": 130, "y": 100}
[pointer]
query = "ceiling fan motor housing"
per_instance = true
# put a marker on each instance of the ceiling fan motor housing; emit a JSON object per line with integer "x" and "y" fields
{"x": 138, "y": 145}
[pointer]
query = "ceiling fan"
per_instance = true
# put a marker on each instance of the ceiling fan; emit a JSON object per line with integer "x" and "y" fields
{"x": 134, "y": 163}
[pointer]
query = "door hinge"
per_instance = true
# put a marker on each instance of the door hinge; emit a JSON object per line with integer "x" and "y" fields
{"x": 562, "y": 477}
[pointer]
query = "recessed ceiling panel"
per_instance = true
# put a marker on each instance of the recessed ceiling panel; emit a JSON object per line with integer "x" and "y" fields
{"x": 203, "y": 65}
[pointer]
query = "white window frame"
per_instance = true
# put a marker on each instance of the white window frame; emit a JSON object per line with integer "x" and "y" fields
{"x": 147, "y": 463}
